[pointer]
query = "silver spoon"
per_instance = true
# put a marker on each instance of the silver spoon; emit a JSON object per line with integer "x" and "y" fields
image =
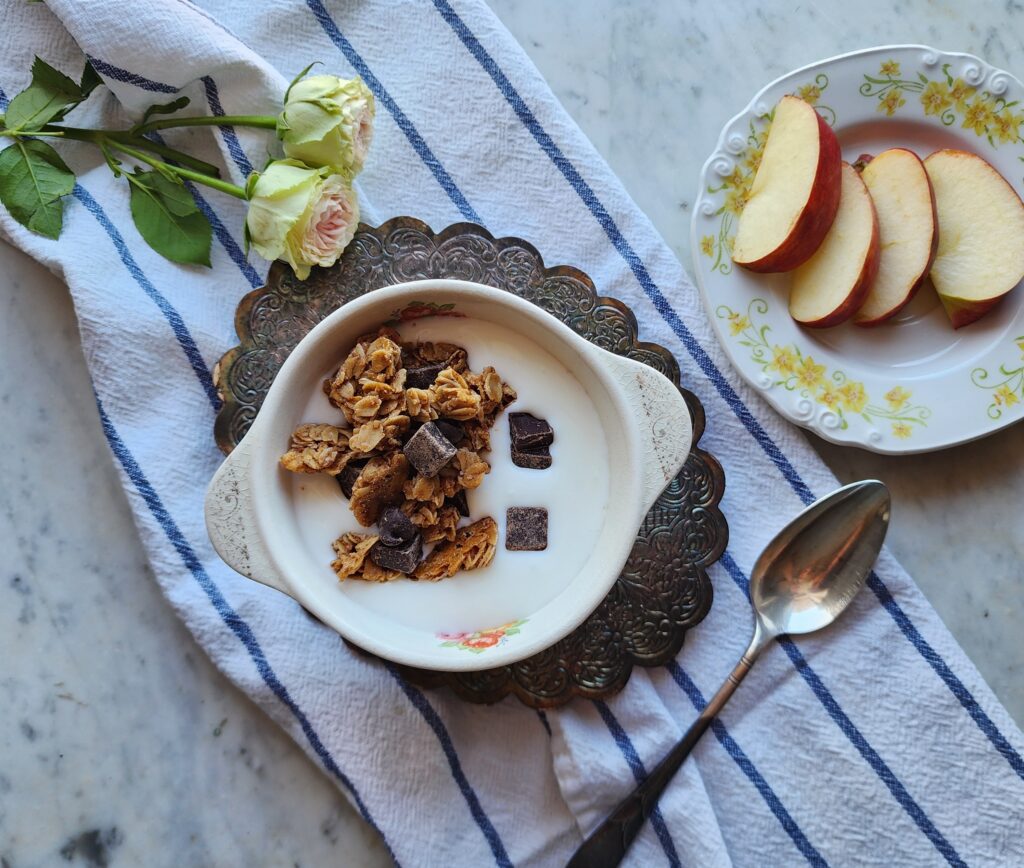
{"x": 802, "y": 582}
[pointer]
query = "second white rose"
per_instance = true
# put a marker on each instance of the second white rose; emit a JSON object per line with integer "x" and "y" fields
{"x": 328, "y": 121}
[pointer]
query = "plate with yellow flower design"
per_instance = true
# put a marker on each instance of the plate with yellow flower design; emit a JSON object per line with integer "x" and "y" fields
{"x": 913, "y": 384}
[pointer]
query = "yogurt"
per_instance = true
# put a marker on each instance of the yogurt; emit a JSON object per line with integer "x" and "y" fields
{"x": 574, "y": 490}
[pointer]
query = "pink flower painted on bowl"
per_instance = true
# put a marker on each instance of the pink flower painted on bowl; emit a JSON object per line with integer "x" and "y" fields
{"x": 484, "y": 640}
{"x": 479, "y": 641}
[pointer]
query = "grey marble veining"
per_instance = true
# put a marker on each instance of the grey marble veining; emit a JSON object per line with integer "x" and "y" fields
{"x": 652, "y": 84}
{"x": 120, "y": 743}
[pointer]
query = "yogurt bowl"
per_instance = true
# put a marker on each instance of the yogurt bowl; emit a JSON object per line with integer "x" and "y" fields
{"x": 622, "y": 432}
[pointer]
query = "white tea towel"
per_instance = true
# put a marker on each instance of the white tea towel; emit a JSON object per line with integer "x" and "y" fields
{"x": 879, "y": 745}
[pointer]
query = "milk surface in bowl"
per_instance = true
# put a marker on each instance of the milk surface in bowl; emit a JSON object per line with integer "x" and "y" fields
{"x": 575, "y": 491}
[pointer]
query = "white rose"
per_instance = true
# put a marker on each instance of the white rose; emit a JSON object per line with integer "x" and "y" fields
{"x": 304, "y": 216}
{"x": 328, "y": 121}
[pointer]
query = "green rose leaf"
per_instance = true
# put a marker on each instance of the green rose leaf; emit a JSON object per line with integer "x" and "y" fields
{"x": 33, "y": 178}
{"x": 90, "y": 80}
{"x": 49, "y": 97}
{"x": 169, "y": 220}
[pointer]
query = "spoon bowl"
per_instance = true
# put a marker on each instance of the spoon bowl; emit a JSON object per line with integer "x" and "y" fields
{"x": 818, "y": 563}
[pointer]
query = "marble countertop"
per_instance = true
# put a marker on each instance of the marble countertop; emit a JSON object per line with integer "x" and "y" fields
{"x": 121, "y": 744}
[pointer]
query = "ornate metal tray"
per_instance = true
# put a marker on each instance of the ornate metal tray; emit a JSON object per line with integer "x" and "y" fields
{"x": 664, "y": 589}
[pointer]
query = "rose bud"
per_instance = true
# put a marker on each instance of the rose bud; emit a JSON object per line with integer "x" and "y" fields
{"x": 328, "y": 121}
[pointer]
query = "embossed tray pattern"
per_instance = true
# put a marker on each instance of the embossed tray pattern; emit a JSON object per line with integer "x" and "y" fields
{"x": 664, "y": 589}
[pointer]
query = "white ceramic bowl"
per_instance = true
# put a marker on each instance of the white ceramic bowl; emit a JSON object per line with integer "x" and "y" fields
{"x": 622, "y": 433}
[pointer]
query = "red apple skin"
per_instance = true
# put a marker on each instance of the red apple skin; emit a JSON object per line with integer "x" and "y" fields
{"x": 860, "y": 289}
{"x": 815, "y": 220}
{"x": 871, "y": 323}
{"x": 964, "y": 314}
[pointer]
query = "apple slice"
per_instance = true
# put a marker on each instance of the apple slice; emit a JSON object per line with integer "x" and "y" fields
{"x": 981, "y": 235}
{"x": 832, "y": 284}
{"x": 907, "y": 232}
{"x": 795, "y": 193}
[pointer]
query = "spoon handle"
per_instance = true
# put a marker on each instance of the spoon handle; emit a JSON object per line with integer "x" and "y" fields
{"x": 607, "y": 845}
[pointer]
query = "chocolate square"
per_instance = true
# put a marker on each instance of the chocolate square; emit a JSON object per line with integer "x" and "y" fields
{"x": 395, "y": 527}
{"x": 526, "y": 529}
{"x": 423, "y": 377}
{"x": 451, "y": 430}
{"x": 428, "y": 450}
{"x": 347, "y": 478}
{"x": 459, "y": 501}
{"x": 539, "y": 459}
{"x": 529, "y": 433}
{"x": 407, "y": 434}
{"x": 404, "y": 558}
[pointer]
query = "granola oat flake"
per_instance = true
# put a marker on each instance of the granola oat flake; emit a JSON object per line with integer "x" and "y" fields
{"x": 417, "y": 422}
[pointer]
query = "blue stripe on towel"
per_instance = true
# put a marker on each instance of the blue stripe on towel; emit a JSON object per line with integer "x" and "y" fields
{"x": 958, "y": 688}
{"x": 181, "y": 332}
{"x": 774, "y": 803}
{"x": 856, "y": 737}
{"x": 636, "y": 766}
{"x": 126, "y": 77}
{"x": 231, "y": 618}
{"x": 544, "y": 722}
{"x": 434, "y": 721}
{"x": 404, "y": 124}
{"x": 709, "y": 368}
{"x": 230, "y": 136}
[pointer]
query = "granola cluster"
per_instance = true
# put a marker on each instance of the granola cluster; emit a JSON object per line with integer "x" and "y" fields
{"x": 388, "y": 391}
{"x": 471, "y": 547}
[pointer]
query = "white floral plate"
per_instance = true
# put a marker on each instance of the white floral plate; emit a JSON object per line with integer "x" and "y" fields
{"x": 914, "y": 384}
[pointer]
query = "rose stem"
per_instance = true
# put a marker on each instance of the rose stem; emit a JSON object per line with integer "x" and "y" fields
{"x": 199, "y": 178}
{"x": 263, "y": 121}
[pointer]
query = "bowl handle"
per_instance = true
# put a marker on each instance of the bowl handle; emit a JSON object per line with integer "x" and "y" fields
{"x": 663, "y": 421}
{"x": 231, "y": 521}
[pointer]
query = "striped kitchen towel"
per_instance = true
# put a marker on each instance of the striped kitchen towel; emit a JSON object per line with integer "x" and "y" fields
{"x": 880, "y": 745}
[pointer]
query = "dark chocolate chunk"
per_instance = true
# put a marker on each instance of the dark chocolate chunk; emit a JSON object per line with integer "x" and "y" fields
{"x": 406, "y": 435}
{"x": 423, "y": 377}
{"x": 396, "y": 528}
{"x": 428, "y": 450}
{"x": 347, "y": 478}
{"x": 459, "y": 501}
{"x": 529, "y": 433}
{"x": 451, "y": 430}
{"x": 404, "y": 558}
{"x": 539, "y": 459}
{"x": 526, "y": 529}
